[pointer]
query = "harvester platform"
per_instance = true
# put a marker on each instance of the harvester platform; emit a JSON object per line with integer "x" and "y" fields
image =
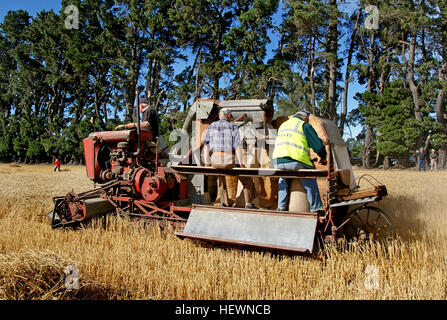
{"x": 248, "y": 172}
{"x": 292, "y": 231}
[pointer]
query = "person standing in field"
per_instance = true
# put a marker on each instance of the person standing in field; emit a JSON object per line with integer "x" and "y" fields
{"x": 57, "y": 165}
{"x": 223, "y": 141}
{"x": 420, "y": 156}
{"x": 295, "y": 138}
{"x": 433, "y": 160}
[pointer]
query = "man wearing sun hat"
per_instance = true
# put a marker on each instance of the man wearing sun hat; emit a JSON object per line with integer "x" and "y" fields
{"x": 149, "y": 120}
{"x": 292, "y": 152}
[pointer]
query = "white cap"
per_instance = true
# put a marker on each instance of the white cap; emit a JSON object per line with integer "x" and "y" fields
{"x": 303, "y": 113}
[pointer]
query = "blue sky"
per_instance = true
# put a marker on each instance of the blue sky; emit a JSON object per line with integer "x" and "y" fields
{"x": 34, "y": 6}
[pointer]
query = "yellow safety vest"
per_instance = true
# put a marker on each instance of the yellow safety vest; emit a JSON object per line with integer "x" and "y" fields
{"x": 291, "y": 142}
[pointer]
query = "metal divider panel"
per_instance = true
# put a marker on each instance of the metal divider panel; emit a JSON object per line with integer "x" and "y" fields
{"x": 352, "y": 202}
{"x": 266, "y": 230}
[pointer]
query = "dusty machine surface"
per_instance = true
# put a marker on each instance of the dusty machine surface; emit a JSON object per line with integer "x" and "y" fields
{"x": 182, "y": 194}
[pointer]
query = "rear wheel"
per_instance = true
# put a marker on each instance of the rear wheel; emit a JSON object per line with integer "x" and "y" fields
{"x": 367, "y": 223}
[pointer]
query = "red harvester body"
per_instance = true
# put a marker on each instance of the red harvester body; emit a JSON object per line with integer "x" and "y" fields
{"x": 132, "y": 182}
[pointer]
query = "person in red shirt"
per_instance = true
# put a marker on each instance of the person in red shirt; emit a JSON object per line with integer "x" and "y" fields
{"x": 57, "y": 165}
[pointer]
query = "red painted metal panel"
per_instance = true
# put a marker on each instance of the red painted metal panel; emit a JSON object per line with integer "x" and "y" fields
{"x": 91, "y": 147}
{"x": 183, "y": 189}
{"x": 112, "y": 136}
{"x": 119, "y": 136}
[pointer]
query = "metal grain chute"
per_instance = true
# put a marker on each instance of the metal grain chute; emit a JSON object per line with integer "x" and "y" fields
{"x": 264, "y": 229}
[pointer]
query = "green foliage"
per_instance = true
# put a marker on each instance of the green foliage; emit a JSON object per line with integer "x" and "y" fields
{"x": 34, "y": 149}
{"x": 355, "y": 147}
{"x": 5, "y": 139}
{"x": 397, "y": 129}
{"x": 286, "y": 108}
{"x": 167, "y": 125}
{"x": 57, "y": 85}
{"x": 310, "y": 41}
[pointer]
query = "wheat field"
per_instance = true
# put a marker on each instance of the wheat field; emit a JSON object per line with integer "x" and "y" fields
{"x": 133, "y": 261}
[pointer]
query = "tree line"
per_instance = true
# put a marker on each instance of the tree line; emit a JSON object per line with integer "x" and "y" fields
{"x": 58, "y": 83}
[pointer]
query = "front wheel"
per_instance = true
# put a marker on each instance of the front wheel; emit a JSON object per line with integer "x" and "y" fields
{"x": 367, "y": 222}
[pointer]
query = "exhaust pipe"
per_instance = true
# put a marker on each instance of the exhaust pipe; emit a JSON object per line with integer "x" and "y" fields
{"x": 136, "y": 153}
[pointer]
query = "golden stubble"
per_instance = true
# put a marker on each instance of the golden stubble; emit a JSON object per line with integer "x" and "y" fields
{"x": 136, "y": 261}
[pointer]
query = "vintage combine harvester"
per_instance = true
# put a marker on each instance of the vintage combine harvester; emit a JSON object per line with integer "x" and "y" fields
{"x": 181, "y": 193}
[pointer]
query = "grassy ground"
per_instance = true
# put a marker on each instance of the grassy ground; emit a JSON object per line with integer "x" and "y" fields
{"x": 129, "y": 261}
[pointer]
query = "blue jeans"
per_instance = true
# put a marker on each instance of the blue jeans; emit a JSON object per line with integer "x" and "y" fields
{"x": 310, "y": 185}
{"x": 421, "y": 165}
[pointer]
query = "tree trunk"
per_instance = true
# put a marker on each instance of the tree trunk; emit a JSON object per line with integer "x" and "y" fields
{"x": 97, "y": 106}
{"x": 347, "y": 74}
{"x": 441, "y": 113}
{"x": 442, "y": 157}
{"x": 413, "y": 86}
{"x": 386, "y": 163}
{"x": 312, "y": 72}
{"x": 191, "y": 74}
{"x": 377, "y": 159}
{"x": 332, "y": 65}
{"x": 216, "y": 86}
{"x": 197, "y": 89}
{"x": 132, "y": 79}
{"x": 130, "y": 101}
{"x": 369, "y": 134}
{"x": 367, "y": 149}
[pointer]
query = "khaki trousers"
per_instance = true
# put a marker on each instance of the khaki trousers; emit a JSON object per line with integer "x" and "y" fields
{"x": 226, "y": 160}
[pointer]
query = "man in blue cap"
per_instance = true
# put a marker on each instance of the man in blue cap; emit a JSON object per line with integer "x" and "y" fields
{"x": 292, "y": 152}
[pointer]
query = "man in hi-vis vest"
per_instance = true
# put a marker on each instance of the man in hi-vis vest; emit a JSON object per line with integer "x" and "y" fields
{"x": 292, "y": 152}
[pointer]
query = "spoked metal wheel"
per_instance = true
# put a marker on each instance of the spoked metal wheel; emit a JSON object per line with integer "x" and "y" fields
{"x": 367, "y": 222}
